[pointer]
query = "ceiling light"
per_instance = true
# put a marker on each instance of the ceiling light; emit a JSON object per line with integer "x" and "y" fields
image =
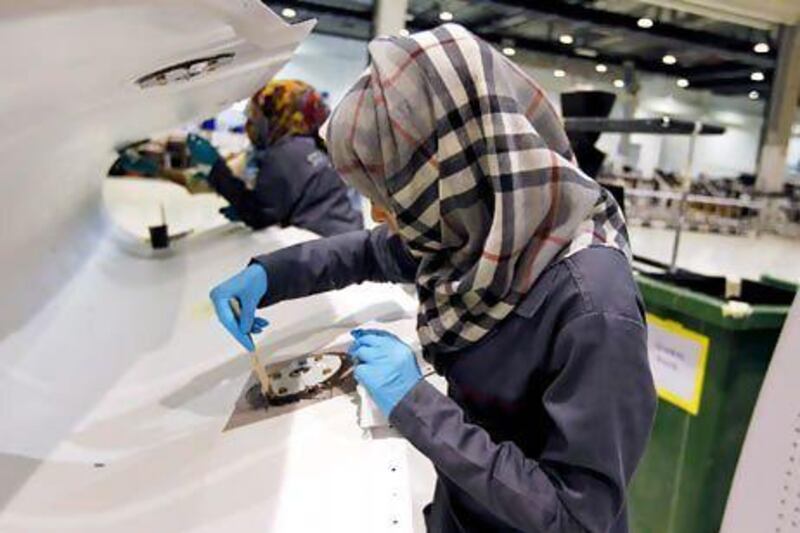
{"x": 445, "y": 16}
{"x": 601, "y": 68}
{"x": 289, "y": 13}
{"x": 619, "y": 84}
{"x": 509, "y": 51}
{"x": 669, "y": 59}
{"x": 757, "y": 76}
{"x": 404, "y": 32}
{"x": 586, "y": 52}
{"x": 558, "y": 73}
{"x": 645, "y": 23}
{"x": 753, "y": 95}
{"x": 682, "y": 83}
{"x": 566, "y": 38}
{"x": 761, "y": 48}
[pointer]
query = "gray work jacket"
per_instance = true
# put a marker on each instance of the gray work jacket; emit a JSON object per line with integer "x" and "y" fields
{"x": 545, "y": 418}
{"x": 296, "y": 185}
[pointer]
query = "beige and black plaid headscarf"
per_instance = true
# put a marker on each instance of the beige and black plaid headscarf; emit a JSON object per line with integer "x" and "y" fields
{"x": 468, "y": 153}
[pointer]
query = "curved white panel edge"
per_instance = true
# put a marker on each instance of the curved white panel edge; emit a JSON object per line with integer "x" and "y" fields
{"x": 69, "y": 97}
{"x": 765, "y": 495}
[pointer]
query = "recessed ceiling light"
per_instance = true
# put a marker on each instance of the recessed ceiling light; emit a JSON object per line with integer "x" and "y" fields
{"x": 559, "y": 73}
{"x": 509, "y": 51}
{"x": 753, "y": 95}
{"x": 586, "y": 52}
{"x": 445, "y": 16}
{"x": 404, "y": 32}
{"x": 682, "y": 83}
{"x": 289, "y": 13}
{"x": 757, "y": 76}
{"x": 601, "y": 68}
{"x": 566, "y": 38}
{"x": 761, "y": 48}
{"x": 645, "y": 23}
{"x": 669, "y": 59}
{"x": 619, "y": 84}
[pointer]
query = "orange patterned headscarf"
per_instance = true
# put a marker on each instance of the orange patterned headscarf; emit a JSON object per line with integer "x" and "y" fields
{"x": 290, "y": 107}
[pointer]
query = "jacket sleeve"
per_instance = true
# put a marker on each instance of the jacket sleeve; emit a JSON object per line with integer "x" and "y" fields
{"x": 250, "y": 206}
{"x": 599, "y": 407}
{"x": 336, "y": 262}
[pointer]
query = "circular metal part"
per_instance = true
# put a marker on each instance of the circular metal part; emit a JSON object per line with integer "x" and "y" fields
{"x": 303, "y": 375}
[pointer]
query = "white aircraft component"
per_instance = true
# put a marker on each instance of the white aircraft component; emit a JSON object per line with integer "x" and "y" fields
{"x": 115, "y": 379}
{"x": 765, "y": 495}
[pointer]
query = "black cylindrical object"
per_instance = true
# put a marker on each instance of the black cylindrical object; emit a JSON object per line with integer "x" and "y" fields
{"x": 580, "y": 104}
{"x": 159, "y": 237}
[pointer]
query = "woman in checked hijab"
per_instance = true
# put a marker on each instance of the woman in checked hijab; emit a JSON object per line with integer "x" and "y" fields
{"x": 527, "y": 305}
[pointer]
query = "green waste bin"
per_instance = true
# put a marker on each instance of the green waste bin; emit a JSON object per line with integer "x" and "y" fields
{"x": 709, "y": 354}
{"x": 781, "y": 283}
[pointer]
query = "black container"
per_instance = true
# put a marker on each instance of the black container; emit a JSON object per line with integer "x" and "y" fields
{"x": 159, "y": 237}
{"x": 751, "y": 292}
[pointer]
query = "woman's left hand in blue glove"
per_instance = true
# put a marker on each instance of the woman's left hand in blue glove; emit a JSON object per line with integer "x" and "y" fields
{"x": 385, "y": 365}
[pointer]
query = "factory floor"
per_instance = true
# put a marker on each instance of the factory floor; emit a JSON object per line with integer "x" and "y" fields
{"x": 726, "y": 255}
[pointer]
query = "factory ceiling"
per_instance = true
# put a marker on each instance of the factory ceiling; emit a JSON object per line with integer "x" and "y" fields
{"x": 731, "y": 54}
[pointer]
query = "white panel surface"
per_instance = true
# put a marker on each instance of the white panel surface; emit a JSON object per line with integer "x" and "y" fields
{"x": 115, "y": 379}
{"x": 765, "y": 495}
{"x": 69, "y": 97}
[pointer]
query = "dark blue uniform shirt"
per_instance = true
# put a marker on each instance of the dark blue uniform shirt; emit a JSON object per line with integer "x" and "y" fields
{"x": 545, "y": 418}
{"x": 295, "y": 186}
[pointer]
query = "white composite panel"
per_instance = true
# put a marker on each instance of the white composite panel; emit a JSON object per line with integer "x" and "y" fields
{"x": 765, "y": 495}
{"x": 115, "y": 380}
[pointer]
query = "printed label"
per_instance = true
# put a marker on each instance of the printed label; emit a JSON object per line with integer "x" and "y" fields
{"x": 678, "y": 360}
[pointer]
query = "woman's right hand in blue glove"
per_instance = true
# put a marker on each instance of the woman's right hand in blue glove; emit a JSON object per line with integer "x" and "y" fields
{"x": 202, "y": 151}
{"x": 248, "y": 287}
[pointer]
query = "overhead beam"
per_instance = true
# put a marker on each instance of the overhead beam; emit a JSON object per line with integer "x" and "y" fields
{"x": 759, "y": 16}
{"x": 717, "y": 83}
{"x": 364, "y": 15}
{"x": 733, "y": 87}
{"x": 670, "y": 35}
{"x": 555, "y": 48}
{"x": 662, "y": 126}
{"x": 721, "y": 71}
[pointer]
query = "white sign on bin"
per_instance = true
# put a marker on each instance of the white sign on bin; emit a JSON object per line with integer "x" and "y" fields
{"x": 678, "y": 359}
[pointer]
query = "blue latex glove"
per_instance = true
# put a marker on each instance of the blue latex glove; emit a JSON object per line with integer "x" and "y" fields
{"x": 202, "y": 151}
{"x": 132, "y": 161}
{"x": 248, "y": 287}
{"x": 386, "y": 366}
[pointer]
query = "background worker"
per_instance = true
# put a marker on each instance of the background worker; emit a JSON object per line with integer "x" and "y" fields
{"x": 292, "y": 180}
{"x": 527, "y": 302}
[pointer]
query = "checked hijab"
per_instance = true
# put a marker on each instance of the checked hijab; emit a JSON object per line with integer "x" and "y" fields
{"x": 470, "y": 156}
